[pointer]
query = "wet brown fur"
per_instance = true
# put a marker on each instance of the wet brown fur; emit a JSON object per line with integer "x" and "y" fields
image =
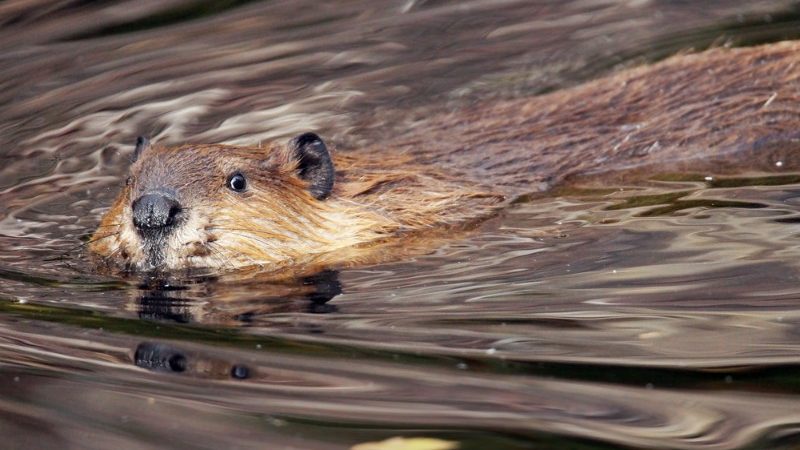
{"x": 277, "y": 222}
{"x": 716, "y": 110}
{"x": 719, "y": 110}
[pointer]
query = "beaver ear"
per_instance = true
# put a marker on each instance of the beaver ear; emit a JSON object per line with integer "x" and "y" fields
{"x": 314, "y": 164}
{"x": 142, "y": 144}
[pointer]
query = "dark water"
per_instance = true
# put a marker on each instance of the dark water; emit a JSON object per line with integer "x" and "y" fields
{"x": 661, "y": 315}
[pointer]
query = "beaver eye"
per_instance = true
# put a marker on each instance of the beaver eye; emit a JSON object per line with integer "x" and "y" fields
{"x": 128, "y": 181}
{"x": 237, "y": 182}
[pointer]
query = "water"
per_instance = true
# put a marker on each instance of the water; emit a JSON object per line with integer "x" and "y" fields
{"x": 656, "y": 315}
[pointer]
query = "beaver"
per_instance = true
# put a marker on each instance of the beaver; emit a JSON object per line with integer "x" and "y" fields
{"x": 298, "y": 203}
{"x": 228, "y": 206}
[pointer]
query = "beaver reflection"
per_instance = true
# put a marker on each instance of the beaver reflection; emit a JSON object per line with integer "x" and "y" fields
{"x": 210, "y": 300}
{"x": 165, "y": 358}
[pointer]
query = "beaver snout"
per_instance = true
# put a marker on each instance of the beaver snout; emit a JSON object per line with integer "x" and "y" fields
{"x": 155, "y": 212}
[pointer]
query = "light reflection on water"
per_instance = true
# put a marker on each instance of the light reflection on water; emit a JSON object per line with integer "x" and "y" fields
{"x": 630, "y": 330}
{"x": 588, "y": 319}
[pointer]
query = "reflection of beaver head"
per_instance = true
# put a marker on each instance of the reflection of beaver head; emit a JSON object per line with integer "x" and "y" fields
{"x": 224, "y": 206}
{"x": 165, "y": 358}
{"x": 236, "y": 300}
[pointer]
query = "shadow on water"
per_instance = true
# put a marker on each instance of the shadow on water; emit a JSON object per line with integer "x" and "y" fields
{"x": 672, "y": 203}
{"x": 177, "y": 14}
{"x": 744, "y": 31}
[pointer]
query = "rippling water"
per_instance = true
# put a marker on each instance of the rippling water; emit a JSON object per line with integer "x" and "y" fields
{"x": 659, "y": 315}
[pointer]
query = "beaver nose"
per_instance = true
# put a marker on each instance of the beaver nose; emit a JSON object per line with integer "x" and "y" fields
{"x": 154, "y": 212}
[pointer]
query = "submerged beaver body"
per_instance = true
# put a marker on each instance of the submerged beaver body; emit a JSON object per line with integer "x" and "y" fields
{"x": 225, "y": 207}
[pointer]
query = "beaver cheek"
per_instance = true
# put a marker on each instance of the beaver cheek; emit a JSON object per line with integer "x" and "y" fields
{"x": 129, "y": 247}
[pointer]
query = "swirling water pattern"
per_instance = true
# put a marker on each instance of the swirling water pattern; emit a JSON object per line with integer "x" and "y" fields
{"x": 565, "y": 322}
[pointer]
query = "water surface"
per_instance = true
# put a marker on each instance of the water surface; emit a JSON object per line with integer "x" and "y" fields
{"x": 656, "y": 315}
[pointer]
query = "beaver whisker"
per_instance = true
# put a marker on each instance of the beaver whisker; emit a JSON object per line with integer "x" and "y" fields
{"x": 218, "y": 255}
{"x": 252, "y": 237}
{"x": 286, "y": 236}
{"x": 256, "y": 231}
{"x": 100, "y": 238}
{"x": 109, "y": 225}
{"x": 112, "y": 254}
{"x": 253, "y": 245}
{"x": 221, "y": 259}
{"x": 210, "y": 254}
{"x": 84, "y": 244}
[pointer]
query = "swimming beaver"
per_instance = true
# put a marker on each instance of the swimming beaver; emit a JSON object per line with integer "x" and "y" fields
{"x": 224, "y": 206}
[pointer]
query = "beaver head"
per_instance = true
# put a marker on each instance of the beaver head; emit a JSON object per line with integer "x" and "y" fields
{"x": 228, "y": 206}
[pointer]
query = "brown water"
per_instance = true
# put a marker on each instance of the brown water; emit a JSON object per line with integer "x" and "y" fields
{"x": 662, "y": 315}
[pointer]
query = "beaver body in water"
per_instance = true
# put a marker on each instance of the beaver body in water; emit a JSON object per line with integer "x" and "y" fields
{"x": 225, "y": 207}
